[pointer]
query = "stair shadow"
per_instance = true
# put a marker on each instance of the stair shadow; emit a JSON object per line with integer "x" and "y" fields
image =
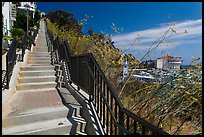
{"x": 93, "y": 125}
{"x": 88, "y": 108}
{"x": 71, "y": 111}
{"x": 69, "y": 117}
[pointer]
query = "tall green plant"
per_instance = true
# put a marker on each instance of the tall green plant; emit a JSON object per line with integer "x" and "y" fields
{"x": 18, "y": 33}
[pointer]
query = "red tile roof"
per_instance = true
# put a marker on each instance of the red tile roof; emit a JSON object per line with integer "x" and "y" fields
{"x": 166, "y": 57}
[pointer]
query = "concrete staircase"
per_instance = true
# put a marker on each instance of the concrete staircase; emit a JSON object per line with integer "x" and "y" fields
{"x": 36, "y": 108}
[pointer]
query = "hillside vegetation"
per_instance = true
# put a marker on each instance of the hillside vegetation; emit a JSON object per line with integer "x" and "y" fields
{"x": 174, "y": 109}
{"x": 106, "y": 54}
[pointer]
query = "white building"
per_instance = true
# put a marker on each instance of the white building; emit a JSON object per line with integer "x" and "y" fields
{"x": 144, "y": 77}
{"x": 9, "y": 16}
{"x": 169, "y": 63}
{"x": 31, "y": 6}
{"x": 125, "y": 69}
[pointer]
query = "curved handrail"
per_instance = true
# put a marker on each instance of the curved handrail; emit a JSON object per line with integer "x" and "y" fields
{"x": 121, "y": 107}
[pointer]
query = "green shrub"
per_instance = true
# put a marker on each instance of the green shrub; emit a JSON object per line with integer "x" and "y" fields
{"x": 8, "y": 38}
{"x": 17, "y": 32}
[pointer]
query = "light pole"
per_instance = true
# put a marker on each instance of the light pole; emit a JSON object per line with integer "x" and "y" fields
{"x": 27, "y": 21}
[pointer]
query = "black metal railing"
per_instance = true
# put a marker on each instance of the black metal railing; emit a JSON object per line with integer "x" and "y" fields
{"x": 12, "y": 58}
{"x": 10, "y": 61}
{"x": 87, "y": 74}
{"x": 115, "y": 119}
{"x": 35, "y": 33}
{"x": 32, "y": 38}
{"x": 24, "y": 44}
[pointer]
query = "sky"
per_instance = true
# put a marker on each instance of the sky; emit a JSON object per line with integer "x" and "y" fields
{"x": 146, "y": 21}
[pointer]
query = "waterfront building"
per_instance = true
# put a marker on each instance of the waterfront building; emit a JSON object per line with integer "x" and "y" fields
{"x": 169, "y": 62}
{"x": 144, "y": 77}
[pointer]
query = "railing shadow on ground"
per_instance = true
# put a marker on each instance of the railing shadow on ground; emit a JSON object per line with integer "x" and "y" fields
{"x": 88, "y": 112}
{"x": 86, "y": 73}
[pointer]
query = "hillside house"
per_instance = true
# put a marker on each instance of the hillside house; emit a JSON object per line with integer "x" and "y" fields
{"x": 169, "y": 62}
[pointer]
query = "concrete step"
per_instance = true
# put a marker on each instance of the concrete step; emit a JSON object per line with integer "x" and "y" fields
{"x": 70, "y": 101}
{"x": 39, "y": 90}
{"x": 76, "y": 109}
{"x": 30, "y": 67}
{"x": 39, "y": 55}
{"x": 39, "y": 85}
{"x": 39, "y": 58}
{"x": 35, "y": 115}
{"x": 40, "y": 48}
{"x": 40, "y": 64}
{"x": 68, "y": 98}
{"x": 40, "y": 52}
{"x": 37, "y": 73}
{"x": 47, "y": 127}
{"x": 81, "y": 123}
{"x": 39, "y": 61}
{"x": 36, "y": 79}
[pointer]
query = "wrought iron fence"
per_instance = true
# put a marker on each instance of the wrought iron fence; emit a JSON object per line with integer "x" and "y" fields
{"x": 87, "y": 74}
{"x": 12, "y": 57}
{"x": 115, "y": 119}
{"x": 32, "y": 39}
{"x": 10, "y": 61}
{"x": 24, "y": 45}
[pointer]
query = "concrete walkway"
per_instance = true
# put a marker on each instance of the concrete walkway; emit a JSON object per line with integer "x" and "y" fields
{"x": 36, "y": 107}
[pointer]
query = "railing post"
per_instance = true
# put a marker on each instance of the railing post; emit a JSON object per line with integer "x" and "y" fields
{"x": 90, "y": 83}
{"x": 10, "y": 61}
{"x": 7, "y": 73}
{"x": 24, "y": 45}
{"x": 67, "y": 51}
{"x": 121, "y": 121}
{"x": 90, "y": 94}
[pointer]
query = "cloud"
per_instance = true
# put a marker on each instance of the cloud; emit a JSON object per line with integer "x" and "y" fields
{"x": 193, "y": 35}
